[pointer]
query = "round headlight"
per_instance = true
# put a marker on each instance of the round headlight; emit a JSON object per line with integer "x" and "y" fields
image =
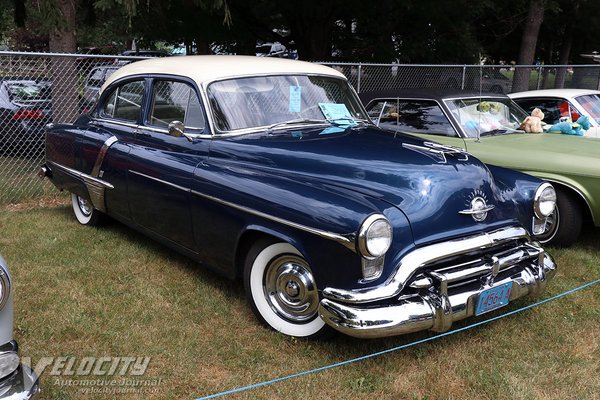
{"x": 4, "y": 287}
{"x": 544, "y": 201}
{"x": 374, "y": 236}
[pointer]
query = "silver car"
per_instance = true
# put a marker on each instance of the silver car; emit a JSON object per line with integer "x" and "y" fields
{"x": 17, "y": 381}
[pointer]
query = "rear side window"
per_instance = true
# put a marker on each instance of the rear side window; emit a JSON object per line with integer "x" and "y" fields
{"x": 175, "y": 101}
{"x": 125, "y": 102}
{"x": 411, "y": 116}
{"x": 553, "y": 109}
{"x": 26, "y": 91}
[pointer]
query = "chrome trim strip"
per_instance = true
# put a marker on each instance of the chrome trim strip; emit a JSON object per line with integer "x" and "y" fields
{"x": 161, "y": 181}
{"x": 102, "y": 153}
{"x": 420, "y": 257}
{"x": 88, "y": 179}
{"x": 116, "y": 122}
{"x": 347, "y": 240}
{"x": 95, "y": 186}
{"x": 481, "y": 210}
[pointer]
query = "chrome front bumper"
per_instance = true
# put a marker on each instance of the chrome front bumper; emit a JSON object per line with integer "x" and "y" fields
{"x": 430, "y": 304}
{"x": 22, "y": 384}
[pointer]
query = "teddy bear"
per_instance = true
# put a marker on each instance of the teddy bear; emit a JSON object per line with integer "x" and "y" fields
{"x": 533, "y": 123}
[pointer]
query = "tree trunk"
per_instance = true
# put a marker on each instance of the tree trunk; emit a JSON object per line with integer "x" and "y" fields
{"x": 63, "y": 72}
{"x": 565, "y": 50}
{"x": 535, "y": 17}
{"x": 311, "y": 24}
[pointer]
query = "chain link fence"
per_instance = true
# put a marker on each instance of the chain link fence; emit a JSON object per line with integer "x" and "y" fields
{"x": 39, "y": 88}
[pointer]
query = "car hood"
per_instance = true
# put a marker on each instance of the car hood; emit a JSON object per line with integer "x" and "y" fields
{"x": 545, "y": 153}
{"x": 429, "y": 186}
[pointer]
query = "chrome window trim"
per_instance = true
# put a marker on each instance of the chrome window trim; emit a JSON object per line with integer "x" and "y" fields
{"x": 100, "y": 119}
{"x": 166, "y": 132}
{"x": 420, "y": 257}
{"x": 346, "y": 240}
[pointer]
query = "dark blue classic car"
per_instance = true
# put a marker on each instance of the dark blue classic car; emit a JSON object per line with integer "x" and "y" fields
{"x": 270, "y": 170}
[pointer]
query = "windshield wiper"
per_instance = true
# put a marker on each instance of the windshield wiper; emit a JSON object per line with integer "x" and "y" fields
{"x": 495, "y": 132}
{"x": 297, "y": 121}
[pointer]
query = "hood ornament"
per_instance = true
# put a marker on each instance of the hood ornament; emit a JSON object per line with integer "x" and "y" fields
{"x": 478, "y": 206}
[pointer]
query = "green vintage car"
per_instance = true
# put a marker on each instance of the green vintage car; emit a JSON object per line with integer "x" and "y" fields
{"x": 487, "y": 125}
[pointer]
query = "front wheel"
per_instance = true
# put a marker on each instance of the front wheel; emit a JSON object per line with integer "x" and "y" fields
{"x": 85, "y": 212}
{"x": 563, "y": 226}
{"x": 282, "y": 291}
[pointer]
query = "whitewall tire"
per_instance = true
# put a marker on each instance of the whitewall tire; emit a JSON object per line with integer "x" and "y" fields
{"x": 84, "y": 211}
{"x": 281, "y": 289}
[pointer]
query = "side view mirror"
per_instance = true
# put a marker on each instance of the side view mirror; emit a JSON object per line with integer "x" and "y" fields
{"x": 176, "y": 129}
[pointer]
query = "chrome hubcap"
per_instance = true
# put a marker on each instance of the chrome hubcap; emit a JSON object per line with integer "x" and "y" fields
{"x": 84, "y": 206}
{"x": 290, "y": 289}
{"x": 550, "y": 227}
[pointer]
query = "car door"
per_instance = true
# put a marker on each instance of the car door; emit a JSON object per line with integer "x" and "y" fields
{"x": 105, "y": 145}
{"x": 161, "y": 166}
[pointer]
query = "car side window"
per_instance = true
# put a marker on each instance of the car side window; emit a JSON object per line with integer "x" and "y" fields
{"x": 553, "y": 109}
{"x": 175, "y": 101}
{"x": 125, "y": 102}
{"x": 412, "y": 116}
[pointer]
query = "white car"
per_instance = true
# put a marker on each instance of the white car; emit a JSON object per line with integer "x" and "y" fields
{"x": 17, "y": 381}
{"x": 557, "y": 103}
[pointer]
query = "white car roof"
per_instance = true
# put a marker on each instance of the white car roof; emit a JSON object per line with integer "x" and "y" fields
{"x": 566, "y": 93}
{"x": 205, "y": 69}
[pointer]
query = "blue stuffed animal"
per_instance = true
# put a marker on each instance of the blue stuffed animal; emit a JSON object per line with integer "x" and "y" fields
{"x": 570, "y": 128}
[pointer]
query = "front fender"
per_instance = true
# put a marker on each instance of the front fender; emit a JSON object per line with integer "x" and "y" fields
{"x": 320, "y": 220}
{"x": 586, "y": 188}
{"x": 516, "y": 190}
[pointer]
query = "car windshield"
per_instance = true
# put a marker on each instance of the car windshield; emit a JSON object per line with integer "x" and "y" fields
{"x": 486, "y": 116}
{"x": 20, "y": 91}
{"x": 591, "y": 104}
{"x": 274, "y": 101}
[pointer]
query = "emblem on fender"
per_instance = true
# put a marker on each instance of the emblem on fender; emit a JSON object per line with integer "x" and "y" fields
{"x": 478, "y": 206}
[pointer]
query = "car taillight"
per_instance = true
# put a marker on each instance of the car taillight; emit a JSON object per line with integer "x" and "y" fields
{"x": 28, "y": 114}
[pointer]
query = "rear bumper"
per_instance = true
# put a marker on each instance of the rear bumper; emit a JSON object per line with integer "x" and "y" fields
{"x": 434, "y": 306}
{"x": 22, "y": 384}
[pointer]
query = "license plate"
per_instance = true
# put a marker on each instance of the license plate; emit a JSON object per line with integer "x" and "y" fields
{"x": 493, "y": 298}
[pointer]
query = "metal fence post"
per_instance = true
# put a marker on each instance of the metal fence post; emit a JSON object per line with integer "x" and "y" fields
{"x": 539, "y": 77}
{"x": 358, "y": 78}
{"x": 464, "y": 74}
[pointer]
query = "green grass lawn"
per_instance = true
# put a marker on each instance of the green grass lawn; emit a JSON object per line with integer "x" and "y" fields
{"x": 111, "y": 292}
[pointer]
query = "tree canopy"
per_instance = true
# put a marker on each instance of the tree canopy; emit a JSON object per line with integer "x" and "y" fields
{"x": 404, "y": 31}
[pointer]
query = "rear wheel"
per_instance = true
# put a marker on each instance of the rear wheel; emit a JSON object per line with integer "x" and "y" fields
{"x": 564, "y": 225}
{"x": 85, "y": 212}
{"x": 282, "y": 291}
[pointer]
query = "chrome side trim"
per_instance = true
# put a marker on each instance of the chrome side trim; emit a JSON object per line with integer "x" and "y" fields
{"x": 420, "y": 257}
{"x": 85, "y": 177}
{"x": 347, "y": 240}
{"x": 101, "y": 154}
{"x": 161, "y": 181}
{"x": 95, "y": 186}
